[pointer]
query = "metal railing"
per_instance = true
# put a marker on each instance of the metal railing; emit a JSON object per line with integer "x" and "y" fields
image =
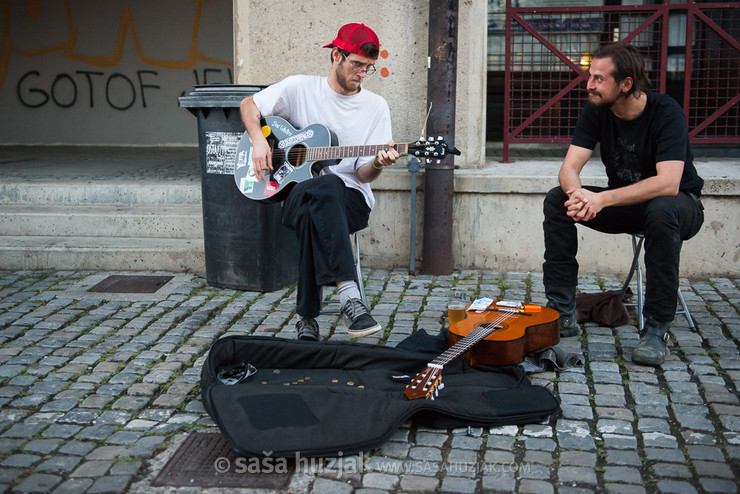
{"x": 691, "y": 50}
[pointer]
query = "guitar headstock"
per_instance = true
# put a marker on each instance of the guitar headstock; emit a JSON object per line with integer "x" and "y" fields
{"x": 425, "y": 384}
{"x": 432, "y": 148}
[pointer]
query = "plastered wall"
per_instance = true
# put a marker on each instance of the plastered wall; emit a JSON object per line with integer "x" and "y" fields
{"x": 108, "y": 72}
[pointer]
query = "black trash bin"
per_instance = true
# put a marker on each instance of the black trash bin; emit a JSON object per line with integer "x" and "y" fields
{"x": 246, "y": 245}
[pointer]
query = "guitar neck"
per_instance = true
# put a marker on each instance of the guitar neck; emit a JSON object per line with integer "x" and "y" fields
{"x": 340, "y": 152}
{"x": 468, "y": 342}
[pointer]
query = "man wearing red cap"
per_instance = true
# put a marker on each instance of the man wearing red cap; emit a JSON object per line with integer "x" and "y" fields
{"x": 325, "y": 210}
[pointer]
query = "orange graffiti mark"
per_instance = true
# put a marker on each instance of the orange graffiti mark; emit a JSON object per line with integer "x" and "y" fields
{"x": 384, "y": 72}
{"x": 33, "y": 10}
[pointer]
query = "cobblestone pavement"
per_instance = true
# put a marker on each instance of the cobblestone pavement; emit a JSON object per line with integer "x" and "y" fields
{"x": 97, "y": 391}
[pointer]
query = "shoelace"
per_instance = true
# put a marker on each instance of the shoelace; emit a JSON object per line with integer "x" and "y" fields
{"x": 356, "y": 308}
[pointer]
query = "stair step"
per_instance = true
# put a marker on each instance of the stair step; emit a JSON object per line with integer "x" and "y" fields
{"x": 102, "y": 253}
{"x": 86, "y": 192}
{"x": 88, "y": 220}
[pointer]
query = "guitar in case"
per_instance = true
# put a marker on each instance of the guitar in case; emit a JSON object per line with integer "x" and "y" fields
{"x": 274, "y": 397}
{"x": 296, "y": 154}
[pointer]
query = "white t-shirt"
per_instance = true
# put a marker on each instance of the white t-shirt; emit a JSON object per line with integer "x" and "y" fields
{"x": 360, "y": 119}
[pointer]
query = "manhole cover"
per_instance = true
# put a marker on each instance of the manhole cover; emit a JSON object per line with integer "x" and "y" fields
{"x": 206, "y": 460}
{"x": 131, "y": 284}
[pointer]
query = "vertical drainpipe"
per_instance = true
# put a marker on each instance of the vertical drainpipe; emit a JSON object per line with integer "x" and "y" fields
{"x": 438, "y": 177}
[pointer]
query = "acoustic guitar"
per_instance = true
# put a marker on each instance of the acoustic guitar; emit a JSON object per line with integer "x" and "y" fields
{"x": 500, "y": 335}
{"x": 295, "y": 152}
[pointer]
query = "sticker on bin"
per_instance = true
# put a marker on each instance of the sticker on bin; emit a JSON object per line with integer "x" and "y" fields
{"x": 242, "y": 159}
{"x": 270, "y": 188}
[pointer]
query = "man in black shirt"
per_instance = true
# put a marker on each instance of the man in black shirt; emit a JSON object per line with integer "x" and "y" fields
{"x": 652, "y": 188}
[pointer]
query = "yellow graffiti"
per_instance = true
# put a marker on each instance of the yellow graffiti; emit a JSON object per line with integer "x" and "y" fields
{"x": 33, "y": 10}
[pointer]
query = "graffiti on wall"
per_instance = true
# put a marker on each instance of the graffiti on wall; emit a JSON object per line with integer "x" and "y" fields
{"x": 81, "y": 60}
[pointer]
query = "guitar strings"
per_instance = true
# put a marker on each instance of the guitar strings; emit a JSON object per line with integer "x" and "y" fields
{"x": 476, "y": 335}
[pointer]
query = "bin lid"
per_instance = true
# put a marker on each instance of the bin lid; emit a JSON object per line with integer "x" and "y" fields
{"x": 217, "y": 95}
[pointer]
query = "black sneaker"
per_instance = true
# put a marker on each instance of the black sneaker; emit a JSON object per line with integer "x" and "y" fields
{"x": 307, "y": 329}
{"x": 357, "y": 319}
{"x": 568, "y": 326}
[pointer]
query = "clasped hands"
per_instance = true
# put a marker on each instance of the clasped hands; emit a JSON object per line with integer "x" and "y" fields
{"x": 583, "y": 204}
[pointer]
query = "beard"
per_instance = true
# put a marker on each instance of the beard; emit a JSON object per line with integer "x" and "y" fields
{"x": 597, "y": 99}
{"x": 346, "y": 82}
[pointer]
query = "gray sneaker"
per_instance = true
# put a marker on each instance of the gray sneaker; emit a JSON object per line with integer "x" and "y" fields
{"x": 357, "y": 319}
{"x": 307, "y": 329}
{"x": 568, "y": 326}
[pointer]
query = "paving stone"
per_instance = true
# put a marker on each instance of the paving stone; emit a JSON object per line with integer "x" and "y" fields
{"x": 622, "y": 474}
{"x": 110, "y": 484}
{"x": 425, "y": 453}
{"x": 459, "y": 484}
{"x": 59, "y": 464}
{"x": 624, "y": 489}
{"x": 619, "y": 457}
{"x": 584, "y": 475}
{"x": 37, "y": 482}
{"x": 73, "y": 486}
{"x": 718, "y": 485}
{"x": 326, "y": 486}
{"x": 20, "y": 460}
{"x": 530, "y": 486}
{"x": 675, "y": 487}
{"x": 42, "y": 446}
{"x": 380, "y": 481}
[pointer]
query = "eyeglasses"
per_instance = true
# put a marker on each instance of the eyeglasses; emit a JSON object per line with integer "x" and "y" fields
{"x": 369, "y": 70}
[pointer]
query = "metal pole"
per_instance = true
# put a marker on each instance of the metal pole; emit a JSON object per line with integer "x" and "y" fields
{"x": 438, "y": 179}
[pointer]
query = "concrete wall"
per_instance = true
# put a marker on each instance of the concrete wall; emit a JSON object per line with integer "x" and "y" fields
{"x": 498, "y": 222}
{"x": 91, "y": 72}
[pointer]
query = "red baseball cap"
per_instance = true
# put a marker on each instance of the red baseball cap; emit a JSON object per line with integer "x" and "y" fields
{"x": 352, "y": 36}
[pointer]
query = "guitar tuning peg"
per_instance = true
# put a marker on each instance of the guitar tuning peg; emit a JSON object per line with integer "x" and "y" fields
{"x": 439, "y": 161}
{"x": 430, "y": 139}
{"x": 429, "y": 160}
{"x": 439, "y": 138}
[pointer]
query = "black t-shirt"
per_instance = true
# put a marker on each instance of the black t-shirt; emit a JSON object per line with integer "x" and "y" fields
{"x": 631, "y": 148}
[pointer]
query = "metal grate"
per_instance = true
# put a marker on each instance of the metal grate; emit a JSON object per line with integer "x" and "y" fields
{"x": 206, "y": 460}
{"x": 548, "y": 51}
{"x": 131, "y": 284}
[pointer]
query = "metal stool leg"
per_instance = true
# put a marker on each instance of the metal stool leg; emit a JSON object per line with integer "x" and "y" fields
{"x": 637, "y": 240}
{"x": 358, "y": 268}
{"x": 685, "y": 310}
{"x": 636, "y": 267}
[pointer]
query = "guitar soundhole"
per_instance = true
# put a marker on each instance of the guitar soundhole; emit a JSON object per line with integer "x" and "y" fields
{"x": 493, "y": 327}
{"x": 297, "y": 155}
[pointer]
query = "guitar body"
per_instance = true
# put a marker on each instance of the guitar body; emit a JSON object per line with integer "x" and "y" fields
{"x": 517, "y": 334}
{"x": 289, "y": 159}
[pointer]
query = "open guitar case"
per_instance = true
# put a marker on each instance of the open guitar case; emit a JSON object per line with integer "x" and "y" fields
{"x": 324, "y": 399}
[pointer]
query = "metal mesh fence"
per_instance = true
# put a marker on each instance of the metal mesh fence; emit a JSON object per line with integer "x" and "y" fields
{"x": 548, "y": 54}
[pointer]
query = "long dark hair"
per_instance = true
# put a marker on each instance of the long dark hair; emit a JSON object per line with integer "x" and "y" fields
{"x": 627, "y": 63}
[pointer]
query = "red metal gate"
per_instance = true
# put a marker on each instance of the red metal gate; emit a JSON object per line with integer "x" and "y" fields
{"x": 691, "y": 50}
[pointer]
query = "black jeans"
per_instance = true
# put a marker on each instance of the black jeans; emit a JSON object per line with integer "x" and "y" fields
{"x": 323, "y": 212}
{"x": 666, "y": 223}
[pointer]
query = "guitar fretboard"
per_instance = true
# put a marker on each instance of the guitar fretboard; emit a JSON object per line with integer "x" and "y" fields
{"x": 475, "y": 336}
{"x": 340, "y": 152}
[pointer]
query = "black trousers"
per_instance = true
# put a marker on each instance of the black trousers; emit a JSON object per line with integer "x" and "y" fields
{"x": 665, "y": 221}
{"x": 323, "y": 212}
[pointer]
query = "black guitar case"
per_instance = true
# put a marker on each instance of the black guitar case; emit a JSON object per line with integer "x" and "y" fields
{"x": 323, "y": 399}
